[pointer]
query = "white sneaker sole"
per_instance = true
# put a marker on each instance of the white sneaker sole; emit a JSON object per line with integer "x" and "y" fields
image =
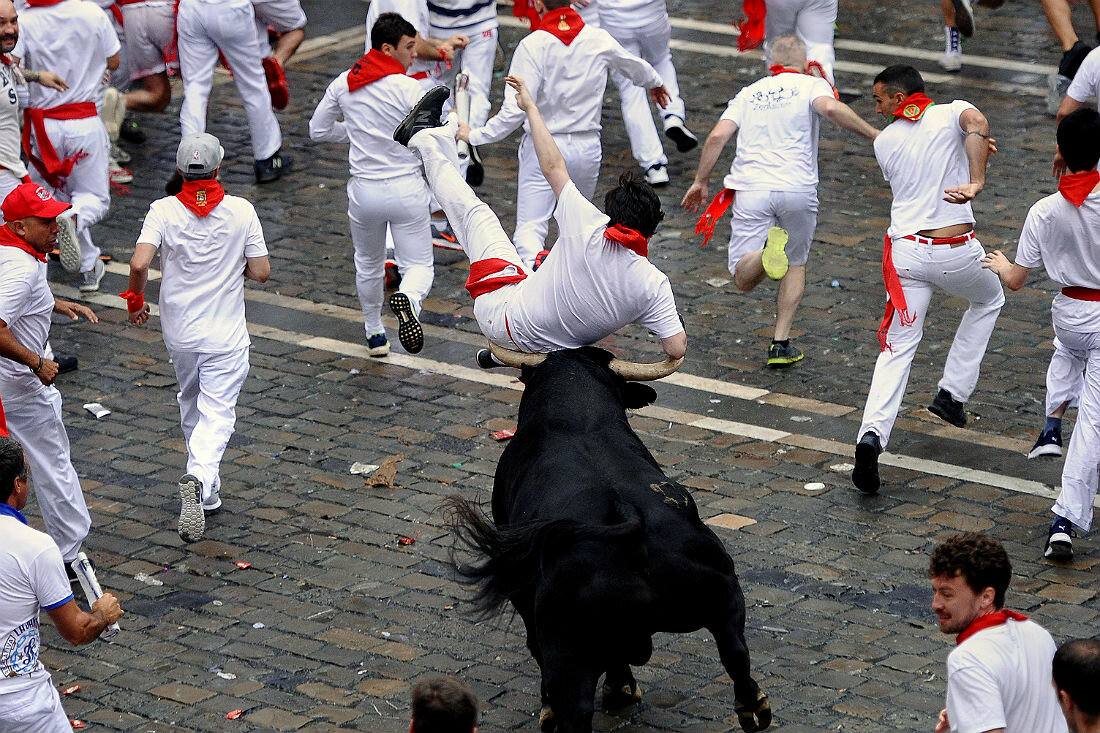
{"x": 1059, "y": 547}
{"x": 68, "y": 244}
{"x": 192, "y": 521}
{"x": 1050, "y": 449}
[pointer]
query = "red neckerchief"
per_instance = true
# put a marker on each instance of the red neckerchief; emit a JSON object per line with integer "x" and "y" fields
{"x": 715, "y": 210}
{"x": 913, "y": 107}
{"x": 895, "y": 296}
{"x": 201, "y": 197}
{"x": 632, "y": 239}
{"x": 4, "y": 59}
{"x": 8, "y": 238}
{"x": 492, "y": 274}
{"x": 372, "y": 67}
{"x": 988, "y": 621}
{"x": 563, "y": 23}
{"x": 526, "y": 9}
{"x": 43, "y": 3}
{"x": 752, "y": 25}
{"x": 776, "y": 69}
{"x": 781, "y": 69}
{"x": 1076, "y": 187}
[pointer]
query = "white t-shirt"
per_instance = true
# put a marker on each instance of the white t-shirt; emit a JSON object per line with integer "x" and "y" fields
{"x": 73, "y": 39}
{"x": 202, "y": 272}
{"x": 631, "y": 13}
{"x": 920, "y": 160}
{"x": 777, "y": 130}
{"x": 566, "y": 82}
{"x": 456, "y": 16}
{"x": 591, "y": 287}
{"x": 32, "y": 577}
{"x": 26, "y": 304}
{"x": 1063, "y": 239}
{"x": 11, "y": 119}
{"x": 1000, "y": 678}
{"x": 371, "y": 114}
{"x": 1086, "y": 82}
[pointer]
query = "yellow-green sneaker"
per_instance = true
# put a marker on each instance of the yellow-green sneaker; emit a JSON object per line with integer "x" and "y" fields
{"x": 780, "y": 356}
{"x": 774, "y": 256}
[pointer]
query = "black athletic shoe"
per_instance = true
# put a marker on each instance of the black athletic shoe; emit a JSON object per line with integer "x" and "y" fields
{"x": 425, "y": 114}
{"x": 949, "y": 409}
{"x": 964, "y": 17}
{"x": 486, "y": 360}
{"x": 131, "y": 131}
{"x": 67, "y": 364}
{"x": 409, "y": 332}
{"x": 1071, "y": 59}
{"x": 475, "y": 173}
{"x": 1059, "y": 545}
{"x": 865, "y": 474}
{"x": 273, "y": 168}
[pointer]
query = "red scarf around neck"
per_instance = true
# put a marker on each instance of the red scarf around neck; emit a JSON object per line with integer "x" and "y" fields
{"x": 913, "y": 107}
{"x": 1076, "y": 187}
{"x": 372, "y": 67}
{"x": 8, "y": 238}
{"x": 632, "y": 239}
{"x": 564, "y": 24}
{"x": 752, "y": 25}
{"x": 988, "y": 621}
{"x": 781, "y": 69}
{"x": 201, "y": 197}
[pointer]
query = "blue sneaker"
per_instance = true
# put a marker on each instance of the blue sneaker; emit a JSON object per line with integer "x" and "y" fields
{"x": 1059, "y": 540}
{"x": 378, "y": 345}
{"x": 1048, "y": 444}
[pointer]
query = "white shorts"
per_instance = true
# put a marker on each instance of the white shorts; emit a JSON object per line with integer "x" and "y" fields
{"x": 36, "y": 707}
{"x": 282, "y": 15}
{"x": 755, "y": 212}
{"x": 151, "y": 37}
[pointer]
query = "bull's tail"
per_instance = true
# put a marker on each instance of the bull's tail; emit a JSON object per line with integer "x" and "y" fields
{"x": 512, "y": 553}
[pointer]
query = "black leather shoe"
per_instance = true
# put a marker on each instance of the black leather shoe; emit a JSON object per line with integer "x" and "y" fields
{"x": 273, "y": 168}
{"x": 425, "y": 114}
{"x": 475, "y": 173}
{"x": 486, "y": 360}
{"x": 865, "y": 474}
{"x": 67, "y": 364}
{"x": 949, "y": 409}
{"x": 131, "y": 132}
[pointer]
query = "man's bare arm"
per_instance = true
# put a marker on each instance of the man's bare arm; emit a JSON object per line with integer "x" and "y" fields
{"x": 550, "y": 158}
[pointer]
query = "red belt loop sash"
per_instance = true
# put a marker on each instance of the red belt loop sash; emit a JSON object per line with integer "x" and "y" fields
{"x": 492, "y": 274}
{"x": 941, "y": 240}
{"x": 1079, "y": 293}
{"x": 895, "y": 296}
{"x": 715, "y": 211}
{"x": 53, "y": 169}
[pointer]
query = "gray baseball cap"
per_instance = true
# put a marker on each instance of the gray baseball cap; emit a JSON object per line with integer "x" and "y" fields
{"x": 199, "y": 154}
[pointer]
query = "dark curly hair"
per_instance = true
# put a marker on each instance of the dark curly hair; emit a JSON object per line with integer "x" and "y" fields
{"x": 981, "y": 560}
{"x": 634, "y": 203}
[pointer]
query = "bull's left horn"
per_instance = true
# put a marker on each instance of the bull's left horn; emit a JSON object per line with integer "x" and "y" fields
{"x": 645, "y": 372}
{"x": 517, "y": 359}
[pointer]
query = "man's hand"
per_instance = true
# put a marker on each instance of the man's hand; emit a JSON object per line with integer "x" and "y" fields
{"x": 52, "y": 80}
{"x": 996, "y": 261}
{"x": 463, "y": 133}
{"x": 47, "y": 372}
{"x": 456, "y": 41}
{"x": 1058, "y": 168}
{"x": 74, "y": 310}
{"x": 942, "y": 726}
{"x": 660, "y": 96}
{"x": 694, "y": 197}
{"x": 107, "y": 609}
{"x": 141, "y": 316}
{"x": 962, "y": 194}
{"x": 523, "y": 97}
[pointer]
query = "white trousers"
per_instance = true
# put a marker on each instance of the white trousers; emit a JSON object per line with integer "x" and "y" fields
{"x": 1065, "y": 374}
{"x": 8, "y": 183}
{"x": 35, "y": 421}
{"x": 37, "y": 708}
{"x": 206, "y": 28}
{"x": 1079, "y": 472}
{"x": 535, "y": 200}
{"x": 813, "y": 21}
{"x": 87, "y": 188}
{"x": 401, "y": 205}
{"x": 922, "y": 268}
{"x": 476, "y": 226}
{"x": 209, "y": 387}
{"x": 651, "y": 43}
{"x": 476, "y": 60}
{"x": 755, "y": 212}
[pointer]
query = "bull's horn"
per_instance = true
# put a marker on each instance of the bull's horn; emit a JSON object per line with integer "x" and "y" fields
{"x": 511, "y": 358}
{"x": 645, "y": 372}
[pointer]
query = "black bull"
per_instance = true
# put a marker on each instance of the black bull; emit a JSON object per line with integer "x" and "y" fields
{"x": 596, "y": 548}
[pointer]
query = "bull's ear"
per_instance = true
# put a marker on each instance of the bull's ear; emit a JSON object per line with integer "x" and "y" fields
{"x": 637, "y": 395}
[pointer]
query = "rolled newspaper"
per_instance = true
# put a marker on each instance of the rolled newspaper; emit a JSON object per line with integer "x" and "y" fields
{"x": 85, "y": 573}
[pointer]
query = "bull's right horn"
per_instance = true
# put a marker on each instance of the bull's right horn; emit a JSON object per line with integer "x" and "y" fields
{"x": 517, "y": 359}
{"x": 637, "y": 372}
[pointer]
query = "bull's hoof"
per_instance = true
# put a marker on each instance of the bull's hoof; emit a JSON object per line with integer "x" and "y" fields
{"x": 615, "y": 699}
{"x": 546, "y": 720}
{"x": 758, "y": 718}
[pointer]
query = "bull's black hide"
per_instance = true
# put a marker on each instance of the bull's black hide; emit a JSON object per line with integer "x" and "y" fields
{"x": 596, "y": 548}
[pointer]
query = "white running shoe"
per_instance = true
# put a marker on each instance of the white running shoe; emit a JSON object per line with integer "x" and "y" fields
{"x": 657, "y": 175}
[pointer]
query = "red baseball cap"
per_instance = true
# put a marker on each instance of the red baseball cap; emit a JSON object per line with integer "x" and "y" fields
{"x": 30, "y": 199}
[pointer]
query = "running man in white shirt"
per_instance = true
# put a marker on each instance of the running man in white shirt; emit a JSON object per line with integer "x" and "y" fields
{"x": 206, "y": 27}
{"x": 564, "y": 63}
{"x": 998, "y": 675}
{"x": 32, "y": 405}
{"x": 209, "y": 242}
{"x": 151, "y": 52}
{"x": 64, "y": 138}
{"x": 1085, "y": 86}
{"x": 598, "y": 278}
{"x": 934, "y": 158}
{"x": 386, "y": 189}
{"x": 1060, "y": 234}
{"x": 773, "y": 180}
{"x": 643, "y": 28}
{"x": 33, "y": 579}
{"x": 814, "y": 21}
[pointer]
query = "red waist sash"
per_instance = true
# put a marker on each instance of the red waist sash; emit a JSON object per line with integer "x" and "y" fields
{"x": 53, "y": 169}
{"x": 1079, "y": 293}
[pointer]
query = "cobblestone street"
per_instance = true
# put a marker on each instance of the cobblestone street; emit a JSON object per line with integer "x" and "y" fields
{"x": 305, "y": 605}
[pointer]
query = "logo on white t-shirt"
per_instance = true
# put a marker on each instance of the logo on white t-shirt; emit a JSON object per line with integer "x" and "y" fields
{"x": 20, "y": 652}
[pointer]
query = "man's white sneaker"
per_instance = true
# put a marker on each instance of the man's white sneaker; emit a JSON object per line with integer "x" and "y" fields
{"x": 90, "y": 280}
{"x": 1057, "y": 86}
{"x": 68, "y": 244}
{"x": 117, "y": 173}
{"x": 952, "y": 53}
{"x": 657, "y": 175}
{"x": 211, "y": 504}
{"x": 677, "y": 132}
{"x": 119, "y": 154}
{"x": 192, "y": 521}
